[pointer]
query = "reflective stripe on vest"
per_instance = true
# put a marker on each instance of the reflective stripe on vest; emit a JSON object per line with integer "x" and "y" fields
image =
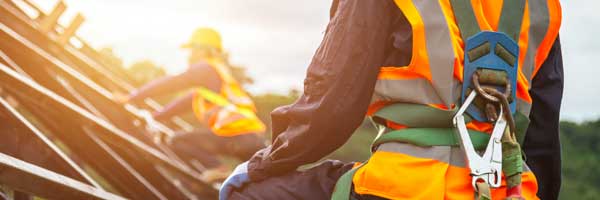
{"x": 434, "y": 74}
{"x": 230, "y": 112}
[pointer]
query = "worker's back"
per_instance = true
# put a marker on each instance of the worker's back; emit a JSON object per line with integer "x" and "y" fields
{"x": 202, "y": 74}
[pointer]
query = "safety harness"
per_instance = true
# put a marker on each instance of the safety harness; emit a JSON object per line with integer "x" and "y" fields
{"x": 490, "y": 74}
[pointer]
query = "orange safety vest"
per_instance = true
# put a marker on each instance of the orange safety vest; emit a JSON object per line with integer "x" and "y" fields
{"x": 230, "y": 112}
{"x": 434, "y": 77}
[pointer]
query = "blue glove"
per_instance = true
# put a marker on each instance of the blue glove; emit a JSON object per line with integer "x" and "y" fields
{"x": 237, "y": 179}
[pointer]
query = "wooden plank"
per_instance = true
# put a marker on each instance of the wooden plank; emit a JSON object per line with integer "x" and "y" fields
{"x": 64, "y": 38}
{"x": 39, "y": 49}
{"x": 49, "y": 22}
{"x": 34, "y": 7}
{"x": 46, "y": 141}
{"x": 32, "y": 179}
{"x": 69, "y": 130}
{"x": 102, "y": 93}
{"x": 113, "y": 133}
{"x": 89, "y": 61}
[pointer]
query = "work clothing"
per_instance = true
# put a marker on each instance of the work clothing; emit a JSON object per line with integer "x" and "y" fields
{"x": 237, "y": 179}
{"x": 222, "y": 105}
{"x": 314, "y": 183}
{"x": 202, "y": 143}
{"x": 434, "y": 77}
{"x": 330, "y": 110}
{"x": 229, "y": 112}
{"x": 338, "y": 88}
{"x": 196, "y": 74}
{"x": 541, "y": 144}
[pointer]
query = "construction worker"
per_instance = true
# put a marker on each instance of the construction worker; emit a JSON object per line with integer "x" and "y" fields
{"x": 404, "y": 63}
{"x": 231, "y": 125}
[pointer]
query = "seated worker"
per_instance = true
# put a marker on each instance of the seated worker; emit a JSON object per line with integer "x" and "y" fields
{"x": 219, "y": 103}
{"x": 413, "y": 67}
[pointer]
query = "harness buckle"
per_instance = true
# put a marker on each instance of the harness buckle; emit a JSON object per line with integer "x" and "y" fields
{"x": 496, "y": 55}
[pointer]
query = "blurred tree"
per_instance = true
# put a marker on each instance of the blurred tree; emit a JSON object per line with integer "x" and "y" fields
{"x": 581, "y": 160}
{"x": 265, "y": 103}
{"x": 145, "y": 71}
{"x": 356, "y": 149}
{"x": 110, "y": 57}
{"x": 240, "y": 74}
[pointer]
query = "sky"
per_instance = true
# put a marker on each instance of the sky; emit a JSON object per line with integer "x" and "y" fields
{"x": 276, "y": 39}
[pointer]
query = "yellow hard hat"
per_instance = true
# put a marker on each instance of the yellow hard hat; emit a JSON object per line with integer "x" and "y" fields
{"x": 204, "y": 37}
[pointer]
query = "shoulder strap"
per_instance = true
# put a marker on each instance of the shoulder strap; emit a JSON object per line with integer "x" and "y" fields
{"x": 512, "y": 18}
{"x": 465, "y": 18}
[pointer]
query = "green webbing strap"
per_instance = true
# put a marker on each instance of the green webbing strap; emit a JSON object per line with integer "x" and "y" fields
{"x": 521, "y": 122}
{"x": 417, "y": 116}
{"x": 426, "y": 137}
{"x": 465, "y": 17}
{"x": 414, "y": 115}
{"x": 444, "y": 135}
{"x": 511, "y": 18}
{"x": 512, "y": 162}
{"x": 484, "y": 192}
{"x": 416, "y": 136}
{"x": 343, "y": 187}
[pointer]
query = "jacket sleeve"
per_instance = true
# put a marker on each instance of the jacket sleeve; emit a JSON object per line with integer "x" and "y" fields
{"x": 199, "y": 74}
{"x": 337, "y": 90}
{"x": 542, "y": 144}
{"x": 178, "y": 106}
{"x": 161, "y": 86}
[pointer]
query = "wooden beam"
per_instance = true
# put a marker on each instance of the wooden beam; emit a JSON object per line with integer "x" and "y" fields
{"x": 70, "y": 30}
{"x": 50, "y": 21}
{"x": 35, "y": 7}
{"x": 30, "y": 178}
{"x": 24, "y": 122}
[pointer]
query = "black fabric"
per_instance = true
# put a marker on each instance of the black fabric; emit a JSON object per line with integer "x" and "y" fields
{"x": 313, "y": 184}
{"x": 316, "y": 183}
{"x": 338, "y": 88}
{"x": 542, "y": 143}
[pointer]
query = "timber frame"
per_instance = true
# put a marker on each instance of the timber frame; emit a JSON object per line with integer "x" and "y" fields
{"x": 63, "y": 137}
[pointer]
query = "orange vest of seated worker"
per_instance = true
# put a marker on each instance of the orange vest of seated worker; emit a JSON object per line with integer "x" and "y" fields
{"x": 433, "y": 78}
{"x": 229, "y": 112}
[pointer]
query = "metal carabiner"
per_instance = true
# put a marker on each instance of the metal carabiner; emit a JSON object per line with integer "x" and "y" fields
{"x": 486, "y": 168}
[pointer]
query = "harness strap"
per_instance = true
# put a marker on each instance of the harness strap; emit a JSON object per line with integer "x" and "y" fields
{"x": 426, "y": 137}
{"x": 414, "y": 115}
{"x": 416, "y": 136}
{"x": 417, "y": 116}
{"x": 422, "y": 116}
{"x": 343, "y": 187}
{"x": 484, "y": 192}
{"x": 465, "y": 18}
{"x": 512, "y": 18}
